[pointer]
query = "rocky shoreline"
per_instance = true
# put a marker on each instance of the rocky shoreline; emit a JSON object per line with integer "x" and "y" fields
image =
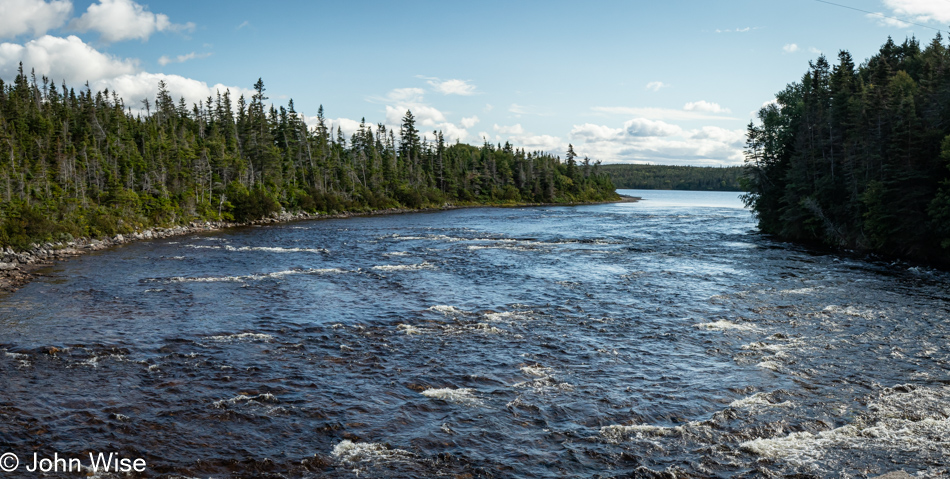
{"x": 17, "y": 268}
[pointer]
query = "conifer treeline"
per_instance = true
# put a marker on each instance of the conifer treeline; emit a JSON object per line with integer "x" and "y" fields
{"x": 857, "y": 156}
{"x": 80, "y": 163}
{"x": 665, "y": 177}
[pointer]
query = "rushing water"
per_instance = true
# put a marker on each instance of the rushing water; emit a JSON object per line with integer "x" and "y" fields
{"x": 637, "y": 339}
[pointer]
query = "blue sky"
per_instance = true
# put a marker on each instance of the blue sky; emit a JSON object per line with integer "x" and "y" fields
{"x": 624, "y": 81}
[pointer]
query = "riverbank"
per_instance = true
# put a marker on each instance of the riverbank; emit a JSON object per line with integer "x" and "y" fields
{"x": 18, "y": 268}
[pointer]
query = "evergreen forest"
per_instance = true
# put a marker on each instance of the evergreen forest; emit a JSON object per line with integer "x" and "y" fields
{"x": 663, "y": 177}
{"x": 82, "y": 163}
{"x": 858, "y": 156}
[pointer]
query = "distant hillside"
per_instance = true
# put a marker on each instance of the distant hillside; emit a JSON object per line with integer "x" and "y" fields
{"x": 660, "y": 177}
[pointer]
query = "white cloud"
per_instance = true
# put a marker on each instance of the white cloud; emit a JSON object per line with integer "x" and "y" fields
{"x": 737, "y": 30}
{"x": 428, "y": 118}
{"x": 705, "y": 106}
{"x": 519, "y": 138}
{"x": 590, "y": 131}
{"x": 403, "y": 95}
{"x": 885, "y": 21}
{"x": 517, "y": 109}
{"x": 136, "y": 87}
{"x": 346, "y": 125}
{"x": 36, "y": 16}
{"x": 642, "y": 140}
{"x": 735, "y": 138}
{"x": 814, "y": 50}
{"x": 922, "y": 11}
{"x": 61, "y": 59}
{"x": 425, "y": 115}
{"x": 452, "y": 87}
{"x": 165, "y": 59}
{"x": 659, "y": 113}
{"x": 646, "y": 127}
{"x": 243, "y": 24}
{"x": 790, "y": 48}
{"x": 656, "y": 85}
{"x": 489, "y": 107}
{"x": 515, "y": 129}
{"x": 118, "y": 20}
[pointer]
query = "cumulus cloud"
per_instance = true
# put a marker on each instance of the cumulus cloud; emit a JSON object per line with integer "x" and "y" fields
{"x": 790, "y": 48}
{"x": 647, "y": 140}
{"x": 118, "y": 20}
{"x": 520, "y": 138}
{"x": 656, "y": 85}
{"x": 705, "y": 106}
{"x": 35, "y": 16}
{"x": 590, "y": 131}
{"x": 646, "y": 127}
{"x": 660, "y": 113}
{"x": 921, "y": 10}
{"x": 165, "y": 59}
{"x": 136, "y": 87}
{"x": 452, "y": 87}
{"x": 515, "y": 129}
{"x": 60, "y": 59}
{"x": 428, "y": 118}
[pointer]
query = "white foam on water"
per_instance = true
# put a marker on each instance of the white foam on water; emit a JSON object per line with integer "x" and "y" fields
{"x": 94, "y": 361}
{"x": 404, "y": 267}
{"x": 853, "y": 312}
{"x": 902, "y": 418}
{"x": 539, "y": 371}
{"x": 478, "y": 328}
{"x": 446, "y": 309}
{"x": 798, "y": 291}
{"x": 409, "y": 329}
{"x": 269, "y": 249}
{"x": 241, "y": 337}
{"x": 464, "y": 396}
{"x": 355, "y": 452}
{"x": 618, "y": 433}
{"x": 544, "y": 384}
{"x": 724, "y": 325}
{"x": 20, "y": 358}
{"x": 273, "y": 249}
{"x": 771, "y": 347}
{"x": 506, "y": 316}
{"x": 243, "y": 398}
{"x": 396, "y": 253}
{"x": 758, "y": 400}
{"x": 774, "y": 366}
{"x": 489, "y": 329}
{"x": 249, "y": 277}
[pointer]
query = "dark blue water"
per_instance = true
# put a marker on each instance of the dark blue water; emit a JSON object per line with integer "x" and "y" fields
{"x": 634, "y": 339}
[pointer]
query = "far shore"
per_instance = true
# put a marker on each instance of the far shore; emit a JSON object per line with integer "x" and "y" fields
{"x": 18, "y": 268}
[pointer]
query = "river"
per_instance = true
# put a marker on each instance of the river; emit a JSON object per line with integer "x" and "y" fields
{"x": 653, "y": 339}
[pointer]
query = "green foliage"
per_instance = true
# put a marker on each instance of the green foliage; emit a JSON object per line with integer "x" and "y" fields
{"x": 857, "y": 157}
{"x": 83, "y": 164}
{"x": 662, "y": 177}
